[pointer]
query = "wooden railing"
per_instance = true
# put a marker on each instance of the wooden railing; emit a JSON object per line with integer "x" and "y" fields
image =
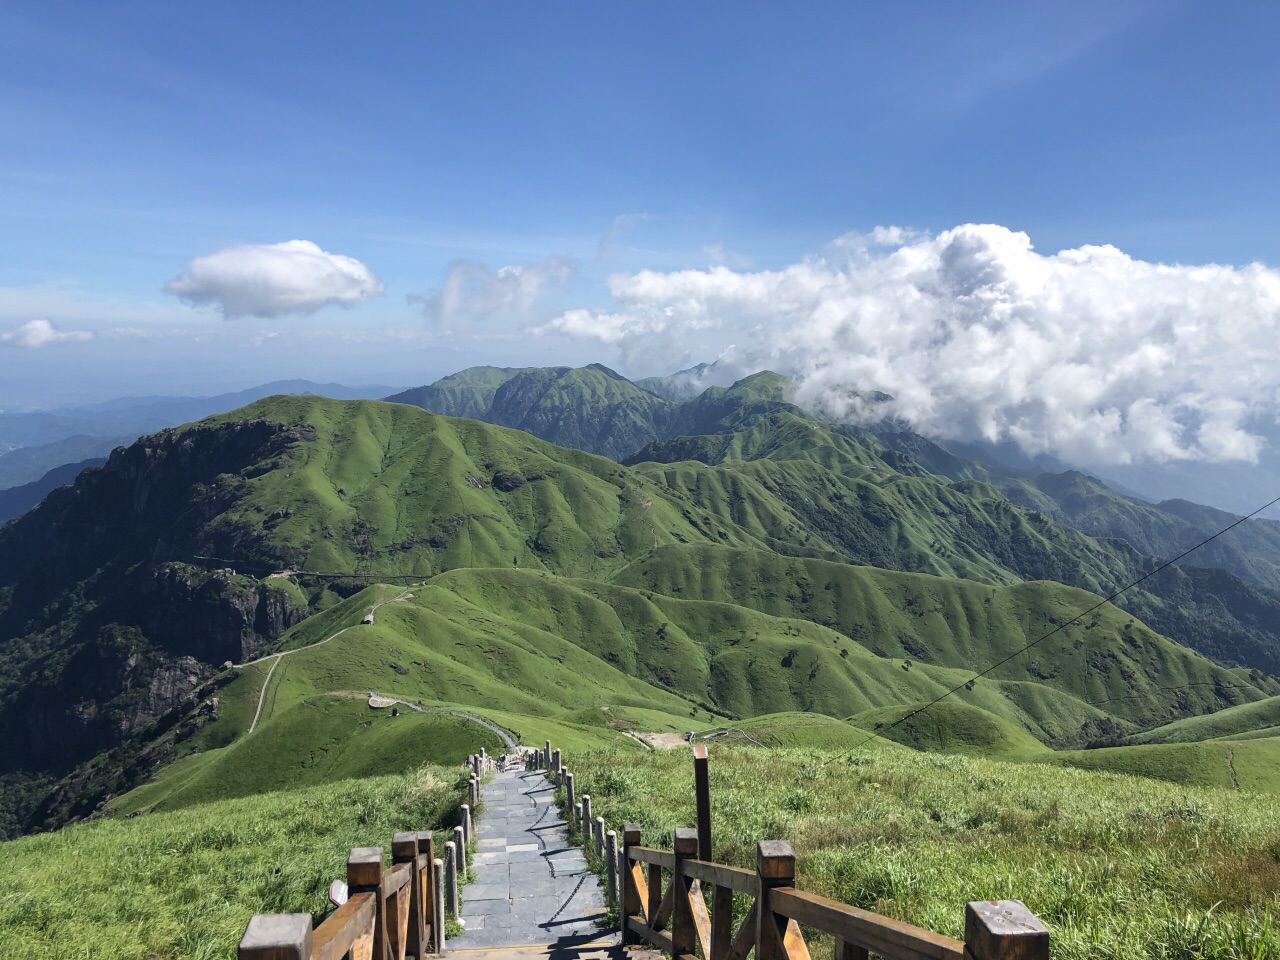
{"x": 676, "y": 920}
{"x": 389, "y": 914}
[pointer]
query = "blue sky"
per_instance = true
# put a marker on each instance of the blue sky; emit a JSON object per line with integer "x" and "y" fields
{"x": 582, "y": 141}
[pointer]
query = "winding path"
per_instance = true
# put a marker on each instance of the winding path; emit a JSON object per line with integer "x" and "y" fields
{"x": 277, "y": 657}
{"x": 507, "y": 739}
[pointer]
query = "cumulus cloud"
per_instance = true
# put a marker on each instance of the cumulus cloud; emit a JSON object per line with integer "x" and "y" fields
{"x": 41, "y": 333}
{"x": 1088, "y": 353}
{"x": 272, "y": 280}
{"x": 473, "y": 294}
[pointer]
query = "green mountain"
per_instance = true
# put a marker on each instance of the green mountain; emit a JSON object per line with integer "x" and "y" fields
{"x": 776, "y": 564}
{"x": 594, "y": 409}
{"x": 842, "y": 493}
{"x": 468, "y": 393}
{"x": 590, "y": 408}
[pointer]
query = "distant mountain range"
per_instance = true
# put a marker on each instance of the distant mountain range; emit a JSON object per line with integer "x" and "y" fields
{"x": 34, "y": 443}
{"x": 731, "y": 553}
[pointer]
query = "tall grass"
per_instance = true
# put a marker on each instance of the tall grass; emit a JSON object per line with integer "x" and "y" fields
{"x": 1117, "y": 867}
{"x": 184, "y": 884}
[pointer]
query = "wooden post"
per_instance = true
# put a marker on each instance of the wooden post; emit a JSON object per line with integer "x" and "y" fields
{"x": 476, "y": 767}
{"x": 572, "y": 805}
{"x": 702, "y": 790}
{"x": 611, "y": 867}
{"x": 451, "y": 878}
{"x": 684, "y": 935}
{"x": 431, "y": 920}
{"x": 599, "y": 834}
{"x": 722, "y": 924}
{"x": 465, "y": 812}
{"x": 473, "y": 791}
{"x": 630, "y": 892}
{"x": 587, "y": 822}
{"x": 364, "y": 875}
{"x": 460, "y": 851}
{"x": 278, "y": 936}
{"x": 546, "y": 756}
{"x": 404, "y": 849}
{"x": 555, "y": 765}
{"x": 1003, "y": 930}
{"x": 437, "y": 881}
{"x": 775, "y": 867}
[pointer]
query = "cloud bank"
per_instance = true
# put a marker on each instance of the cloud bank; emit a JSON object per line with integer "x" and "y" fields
{"x": 41, "y": 333}
{"x": 473, "y": 294}
{"x": 1088, "y": 354}
{"x": 273, "y": 280}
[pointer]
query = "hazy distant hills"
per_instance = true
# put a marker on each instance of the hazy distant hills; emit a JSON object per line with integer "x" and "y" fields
{"x": 15, "y": 501}
{"x": 34, "y": 443}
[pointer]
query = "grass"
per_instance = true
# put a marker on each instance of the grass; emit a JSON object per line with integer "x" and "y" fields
{"x": 316, "y": 741}
{"x": 950, "y": 727}
{"x": 1117, "y": 867}
{"x": 184, "y": 884}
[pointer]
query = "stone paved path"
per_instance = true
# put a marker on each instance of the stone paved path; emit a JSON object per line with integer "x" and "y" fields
{"x": 531, "y": 886}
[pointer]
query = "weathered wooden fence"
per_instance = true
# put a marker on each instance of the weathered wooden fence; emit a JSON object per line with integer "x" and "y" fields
{"x": 389, "y": 914}
{"x": 663, "y": 901}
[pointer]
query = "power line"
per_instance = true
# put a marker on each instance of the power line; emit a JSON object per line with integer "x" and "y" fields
{"x": 1017, "y": 653}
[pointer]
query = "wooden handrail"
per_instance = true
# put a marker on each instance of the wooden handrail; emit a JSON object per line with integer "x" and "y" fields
{"x": 994, "y": 930}
{"x": 872, "y": 931}
{"x": 396, "y": 878}
{"x": 352, "y": 921}
{"x": 659, "y": 858}
{"x": 390, "y": 914}
{"x": 735, "y": 878}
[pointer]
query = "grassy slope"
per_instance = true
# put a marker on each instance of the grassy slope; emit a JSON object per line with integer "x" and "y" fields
{"x": 1108, "y": 660}
{"x": 311, "y": 743}
{"x": 1116, "y": 866}
{"x": 1242, "y": 720}
{"x": 389, "y": 488}
{"x": 1251, "y": 765}
{"x": 553, "y": 658}
{"x": 184, "y": 884}
{"x": 951, "y": 727}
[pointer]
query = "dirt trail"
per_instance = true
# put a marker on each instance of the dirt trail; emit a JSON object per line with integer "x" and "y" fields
{"x": 507, "y": 740}
{"x": 277, "y": 657}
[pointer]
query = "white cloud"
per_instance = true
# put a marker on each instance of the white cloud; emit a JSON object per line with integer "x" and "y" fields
{"x": 271, "y": 280}
{"x": 720, "y": 256}
{"x": 42, "y": 333}
{"x": 1088, "y": 353}
{"x": 472, "y": 293}
{"x": 622, "y": 223}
